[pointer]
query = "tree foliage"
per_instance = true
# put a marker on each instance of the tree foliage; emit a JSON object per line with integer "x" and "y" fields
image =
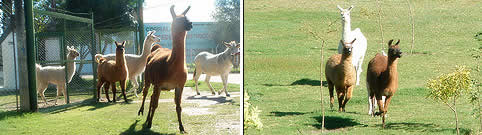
{"x": 227, "y": 21}
{"x": 251, "y": 114}
{"x": 448, "y": 86}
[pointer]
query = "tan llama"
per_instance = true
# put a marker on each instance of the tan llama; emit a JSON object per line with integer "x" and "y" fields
{"x": 340, "y": 74}
{"x": 109, "y": 72}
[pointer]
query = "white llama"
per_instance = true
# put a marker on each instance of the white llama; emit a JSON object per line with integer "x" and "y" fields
{"x": 216, "y": 64}
{"x": 136, "y": 63}
{"x": 56, "y": 75}
{"x": 360, "y": 45}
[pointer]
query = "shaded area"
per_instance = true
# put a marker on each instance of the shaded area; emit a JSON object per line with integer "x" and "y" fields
{"x": 306, "y": 81}
{"x": 6, "y": 114}
{"x": 334, "y": 122}
{"x": 143, "y": 131}
{"x": 281, "y": 114}
{"x": 71, "y": 106}
{"x": 218, "y": 99}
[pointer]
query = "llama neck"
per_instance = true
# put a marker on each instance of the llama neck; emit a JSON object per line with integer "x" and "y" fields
{"x": 346, "y": 61}
{"x": 346, "y": 29}
{"x": 70, "y": 69}
{"x": 226, "y": 56}
{"x": 392, "y": 69}
{"x": 120, "y": 59}
{"x": 147, "y": 48}
{"x": 178, "y": 46}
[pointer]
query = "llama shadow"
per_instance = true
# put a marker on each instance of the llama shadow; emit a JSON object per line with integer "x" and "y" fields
{"x": 306, "y": 81}
{"x": 333, "y": 122}
{"x": 422, "y": 127}
{"x": 143, "y": 131}
{"x": 217, "y": 99}
{"x": 281, "y": 114}
{"x": 72, "y": 106}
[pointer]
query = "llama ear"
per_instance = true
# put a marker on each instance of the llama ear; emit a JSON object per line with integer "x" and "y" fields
{"x": 338, "y": 6}
{"x": 397, "y": 42}
{"x": 390, "y": 43}
{"x": 124, "y": 43}
{"x": 238, "y": 45}
{"x": 349, "y": 9}
{"x": 353, "y": 41}
{"x": 172, "y": 12}
{"x": 115, "y": 42}
{"x": 185, "y": 11}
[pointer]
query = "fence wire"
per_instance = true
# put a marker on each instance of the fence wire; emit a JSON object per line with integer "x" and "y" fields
{"x": 8, "y": 65}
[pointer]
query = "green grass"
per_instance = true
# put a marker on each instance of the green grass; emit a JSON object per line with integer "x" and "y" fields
{"x": 282, "y": 64}
{"x": 87, "y": 117}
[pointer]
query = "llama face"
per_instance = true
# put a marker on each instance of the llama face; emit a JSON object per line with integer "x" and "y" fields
{"x": 72, "y": 52}
{"x": 120, "y": 46}
{"x": 347, "y": 46}
{"x": 345, "y": 13}
{"x": 152, "y": 37}
{"x": 394, "y": 50}
{"x": 232, "y": 47}
{"x": 181, "y": 21}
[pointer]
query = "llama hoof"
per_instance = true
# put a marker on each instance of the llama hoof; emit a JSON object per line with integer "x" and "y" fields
{"x": 141, "y": 112}
{"x": 184, "y": 132}
{"x": 214, "y": 93}
{"x": 228, "y": 95}
{"x": 198, "y": 93}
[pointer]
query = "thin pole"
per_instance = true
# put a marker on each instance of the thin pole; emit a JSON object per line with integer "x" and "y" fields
{"x": 413, "y": 26}
{"x": 30, "y": 47}
{"x": 321, "y": 88}
{"x": 93, "y": 52}
{"x": 380, "y": 23}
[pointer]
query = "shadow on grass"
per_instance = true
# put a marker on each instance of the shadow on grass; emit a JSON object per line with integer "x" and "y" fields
{"x": 306, "y": 81}
{"x": 71, "y": 106}
{"x": 6, "y": 114}
{"x": 143, "y": 131}
{"x": 334, "y": 123}
{"x": 410, "y": 126}
{"x": 218, "y": 99}
{"x": 281, "y": 114}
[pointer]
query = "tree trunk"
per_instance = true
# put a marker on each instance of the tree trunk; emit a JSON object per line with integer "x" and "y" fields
{"x": 321, "y": 88}
{"x": 456, "y": 117}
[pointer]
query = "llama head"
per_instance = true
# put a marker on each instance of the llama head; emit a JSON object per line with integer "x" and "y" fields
{"x": 151, "y": 37}
{"x": 232, "y": 47}
{"x": 345, "y": 13}
{"x": 120, "y": 47}
{"x": 180, "y": 22}
{"x": 347, "y": 46}
{"x": 72, "y": 53}
{"x": 394, "y": 49}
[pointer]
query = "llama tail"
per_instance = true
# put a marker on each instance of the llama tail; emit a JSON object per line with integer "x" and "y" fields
{"x": 98, "y": 58}
{"x": 194, "y": 74}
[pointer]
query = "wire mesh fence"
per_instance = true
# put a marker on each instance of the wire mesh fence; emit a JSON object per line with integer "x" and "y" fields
{"x": 54, "y": 34}
{"x": 8, "y": 65}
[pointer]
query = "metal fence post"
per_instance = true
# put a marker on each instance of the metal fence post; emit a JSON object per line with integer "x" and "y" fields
{"x": 64, "y": 59}
{"x": 93, "y": 52}
{"x": 30, "y": 47}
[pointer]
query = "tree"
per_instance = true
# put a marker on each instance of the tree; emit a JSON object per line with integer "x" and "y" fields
{"x": 227, "y": 20}
{"x": 6, "y": 19}
{"x": 448, "y": 87}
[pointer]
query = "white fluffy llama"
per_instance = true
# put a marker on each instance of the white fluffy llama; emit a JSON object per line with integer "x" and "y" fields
{"x": 56, "y": 75}
{"x": 136, "y": 63}
{"x": 216, "y": 64}
{"x": 360, "y": 45}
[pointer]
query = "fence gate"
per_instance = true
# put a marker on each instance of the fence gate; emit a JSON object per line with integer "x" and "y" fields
{"x": 54, "y": 32}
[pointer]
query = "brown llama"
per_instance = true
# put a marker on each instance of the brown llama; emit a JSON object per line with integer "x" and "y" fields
{"x": 109, "y": 72}
{"x": 166, "y": 69}
{"x": 382, "y": 78}
{"x": 340, "y": 74}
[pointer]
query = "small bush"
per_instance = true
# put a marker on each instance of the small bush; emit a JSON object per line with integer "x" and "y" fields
{"x": 251, "y": 114}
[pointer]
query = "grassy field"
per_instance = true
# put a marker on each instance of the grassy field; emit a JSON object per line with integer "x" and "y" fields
{"x": 282, "y": 64}
{"x": 88, "y": 117}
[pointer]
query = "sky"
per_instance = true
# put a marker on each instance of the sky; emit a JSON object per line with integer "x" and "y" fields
{"x": 158, "y": 10}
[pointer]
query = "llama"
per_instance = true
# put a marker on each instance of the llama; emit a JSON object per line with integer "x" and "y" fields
{"x": 136, "y": 63}
{"x": 166, "y": 69}
{"x": 382, "y": 78}
{"x": 359, "y": 47}
{"x": 56, "y": 75}
{"x": 110, "y": 71}
{"x": 340, "y": 74}
{"x": 216, "y": 64}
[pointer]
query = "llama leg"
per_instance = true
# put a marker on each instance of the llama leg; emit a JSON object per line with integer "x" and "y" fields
{"x": 209, "y": 84}
{"x": 41, "y": 90}
{"x": 153, "y": 106}
{"x": 59, "y": 88}
{"x": 370, "y": 103}
{"x": 349, "y": 93}
{"x": 177, "y": 100}
{"x": 106, "y": 90}
{"x": 341, "y": 98}
{"x": 99, "y": 85}
{"x": 330, "y": 89}
{"x": 386, "y": 103}
{"x": 123, "y": 87}
{"x": 64, "y": 92}
{"x": 197, "y": 74}
{"x": 225, "y": 84}
{"x": 380, "y": 105}
{"x": 144, "y": 94}
{"x": 135, "y": 84}
{"x": 114, "y": 90}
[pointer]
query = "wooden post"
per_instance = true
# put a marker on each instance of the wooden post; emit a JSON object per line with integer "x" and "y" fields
{"x": 321, "y": 88}
{"x": 93, "y": 52}
{"x": 22, "y": 56}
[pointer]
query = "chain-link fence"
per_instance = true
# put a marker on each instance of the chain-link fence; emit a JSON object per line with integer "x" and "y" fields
{"x": 54, "y": 33}
{"x": 8, "y": 75}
